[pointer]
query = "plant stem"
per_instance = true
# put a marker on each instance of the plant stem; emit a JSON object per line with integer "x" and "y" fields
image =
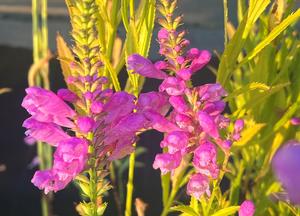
{"x": 225, "y": 5}
{"x": 130, "y": 184}
{"x": 169, "y": 203}
{"x": 45, "y": 206}
{"x": 93, "y": 189}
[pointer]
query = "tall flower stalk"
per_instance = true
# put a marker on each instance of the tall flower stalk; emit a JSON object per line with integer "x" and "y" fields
{"x": 195, "y": 126}
{"x": 38, "y": 75}
{"x": 100, "y": 125}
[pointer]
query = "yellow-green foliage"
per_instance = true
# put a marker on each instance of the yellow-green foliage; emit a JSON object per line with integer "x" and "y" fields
{"x": 260, "y": 69}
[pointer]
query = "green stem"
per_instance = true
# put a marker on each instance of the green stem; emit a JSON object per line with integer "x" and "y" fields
{"x": 130, "y": 184}
{"x": 93, "y": 189}
{"x": 225, "y": 5}
{"x": 43, "y": 155}
{"x": 170, "y": 201}
{"x": 45, "y": 206}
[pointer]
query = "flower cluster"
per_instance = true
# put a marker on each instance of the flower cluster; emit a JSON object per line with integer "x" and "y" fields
{"x": 102, "y": 119}
{"x": 195, "y": 125}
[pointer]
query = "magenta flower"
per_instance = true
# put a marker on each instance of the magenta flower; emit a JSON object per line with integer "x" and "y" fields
{"x": 111, "y": 118}
{"x": 119, "y": 105}
{"x": 211, "y": 92}
{"x": 167, "y": 162}
{"x": 176, "y": 141}
{"x": 85, "y": 124}
{"x": 199, "y": 60}
{"x": 207, "y": 124}
{"x": 198, "y": 185}
{"x": 195, "y": 124}
{"x": 173, "y": 86}
{"x": 44, "y": 131}
{"x": 159, "y": 123}
{"x": 247, "y": 208}
{"x": 179, "y": 104}
{"x": 156, "y": 101}
{"x": 143, "y": 66}
{"x": 286, "y": 167}
{"x": 205, "y": 160}
{"x": 69, "y": 160}
{"x": 67, "y": 95}
{"x": 97, "y": 107}
{"x": 185, "y": 74}
{"x": 45, "y": 106}
{"x": 163, "y": 34}
{"x": 295, "y": 121}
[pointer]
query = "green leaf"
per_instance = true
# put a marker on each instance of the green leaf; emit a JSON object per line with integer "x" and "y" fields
{"x": 82, "y": 178}
{"x": 184, "y": 209}
{"x": 227, "y": 211}
{"x": 112, "y": 73}
{"x": 273, "y": 34}
{"x": 245, "y": 89}
{"x": 249, "y": 133}
{"x": 165, "y": 184}
{"x": 85, "y": 188}
{"x": 101, "y": 208}
{"x": 236, "y": 44}
{"x": 64, "y": 52}
{"x": 258, "y": 99}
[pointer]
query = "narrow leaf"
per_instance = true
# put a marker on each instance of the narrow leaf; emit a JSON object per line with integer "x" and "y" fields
{"x": 227, "y": 211}
{"x": 184, "y": 209}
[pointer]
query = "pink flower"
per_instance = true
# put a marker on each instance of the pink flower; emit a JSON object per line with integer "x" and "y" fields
{"x": 247, "y": 208}
{"x": 295, "y": 121}
{"x": 122, "y": 135}
{"x": 144, "y": 67}
{"x": 198, "y": 185}
{"x": 45, "y": 106}
{"x": 184, "y": 74}
{"x": 286, "y": 167}
{"x": 175, "y": 141}
{"x": 184, "y": 122}
{"x": 85, "y": 124}
{"x": 200, "y": 60}
{"x": 67, "y": 95}
{"x": 69, "y": 160}
{"x": 45, "y": 132}
{"x": 97, "y": 107}
{"x": 72, "y": 149}
{"x": 44, "y": 180}
{"x": 167, "y": 162}
{"x": 214, "y": 108}
{"x": 207, "y": 124}
{"x": 205, "y": 160}
{"x": 159, "y": 123}
{"x": 173, "y": 86}
{"x": 119, "y": 105}
{"x": 179, "y": 103}
{"x": 161, "y": 65}
{"x": 211, "y": 92}
{"x": 156, "y": 101}
{"x": 163, "y": 34}
{"x": 238, "y": 125}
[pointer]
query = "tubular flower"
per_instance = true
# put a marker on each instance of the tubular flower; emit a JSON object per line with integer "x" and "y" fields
{"x": 109, "y": 116}
{"x": 195, "y": 124}
{"x": 198, "y": 185}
